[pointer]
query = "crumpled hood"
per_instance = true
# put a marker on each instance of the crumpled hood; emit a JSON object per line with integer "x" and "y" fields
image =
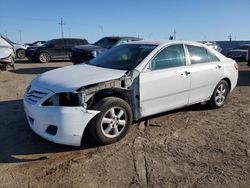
{"x": 89, "y": 47}
{"x": 71, "y": 78}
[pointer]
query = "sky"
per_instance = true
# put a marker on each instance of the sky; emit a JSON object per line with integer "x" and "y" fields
{"x": 148, "y": 19}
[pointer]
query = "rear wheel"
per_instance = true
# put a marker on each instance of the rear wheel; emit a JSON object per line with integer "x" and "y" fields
{"x": 113, "y": 122}
{"x": 44, "y": 57}
{"x": 220, "y": 94}
{"x": 20, "y": 54}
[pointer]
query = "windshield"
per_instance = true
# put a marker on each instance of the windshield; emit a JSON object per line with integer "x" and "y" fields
{"x": 123, "y": 57}
{"x": 107, "y": 42}
{"x": 48, "y": 43}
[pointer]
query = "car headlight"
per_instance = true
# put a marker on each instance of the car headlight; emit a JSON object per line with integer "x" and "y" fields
{"x": 66, "y": 99}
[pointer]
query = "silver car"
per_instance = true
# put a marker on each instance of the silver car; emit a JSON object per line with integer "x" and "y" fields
{"x": 19, "y": 48}
{"x": 7, "y": 54}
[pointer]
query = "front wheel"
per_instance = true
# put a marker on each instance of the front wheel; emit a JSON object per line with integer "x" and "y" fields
{"x": 20, "y": 54}
{"x": 44, "y": 57}
{"x": 113, "y": 121}
{"x": 220, "y": 94}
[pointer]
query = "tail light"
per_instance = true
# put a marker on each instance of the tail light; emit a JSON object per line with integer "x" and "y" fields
{"x": 236, "y": 66}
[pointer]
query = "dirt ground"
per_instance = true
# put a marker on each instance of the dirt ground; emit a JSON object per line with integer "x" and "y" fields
{"x": 190, "y": 147}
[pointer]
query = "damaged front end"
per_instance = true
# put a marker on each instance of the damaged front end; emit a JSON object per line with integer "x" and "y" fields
{"x": 126, "y": 88}
{"x": 7, "y": 62}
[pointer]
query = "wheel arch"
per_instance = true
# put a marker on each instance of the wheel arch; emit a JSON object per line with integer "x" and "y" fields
{"x": 110, "y": 92}
{"x": 228, "y": 82}
{"x": 43, "y": 51}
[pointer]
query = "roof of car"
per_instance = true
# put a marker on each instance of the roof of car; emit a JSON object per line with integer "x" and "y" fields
{"x": 163, "y": 42}
{"x": 123, "y": 37}
{"x": 69, "y": 38}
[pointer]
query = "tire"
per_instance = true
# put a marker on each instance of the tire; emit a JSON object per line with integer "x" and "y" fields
{"x": 20, "y": 54}
{"x": 44, "y": 57}
{"x": 113, "y": 122}
{"x": 219, "y": 96}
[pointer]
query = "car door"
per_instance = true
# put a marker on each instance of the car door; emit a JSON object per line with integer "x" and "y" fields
{"x": 206, "y": 71}
{"x": 165, "y": 84}
{"x": 58, "y": 49}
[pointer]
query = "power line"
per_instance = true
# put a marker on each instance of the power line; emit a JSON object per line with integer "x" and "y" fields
{"x": 62, "y": 24}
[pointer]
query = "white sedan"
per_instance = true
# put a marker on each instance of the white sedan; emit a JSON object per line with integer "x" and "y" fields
{"x": 126, "y": 83}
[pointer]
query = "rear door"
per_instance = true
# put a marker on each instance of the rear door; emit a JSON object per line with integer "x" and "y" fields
{"x": 206, "y": 71}
{"x": 70, "y": 43}
{"x": 165, "y": 85}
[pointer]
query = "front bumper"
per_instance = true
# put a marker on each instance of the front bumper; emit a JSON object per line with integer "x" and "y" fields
{"x": 70, "y": 122}
{"x": 79, "y": 56}
{"x": 8, "y": 60}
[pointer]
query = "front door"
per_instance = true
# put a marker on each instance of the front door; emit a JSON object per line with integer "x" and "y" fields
{"x": 165, "y": 85}
{"x": 58, "y": 49}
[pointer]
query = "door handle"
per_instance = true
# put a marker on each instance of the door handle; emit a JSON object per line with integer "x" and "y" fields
{"x": 218, "y": 67}
{"x": 185, "y": 73}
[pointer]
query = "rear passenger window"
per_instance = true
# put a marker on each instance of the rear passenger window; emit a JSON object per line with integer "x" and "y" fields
{"x": 212, "y": 57}
{"x": 172, "y": 56}
{"x": 200, "y": 55}
{"x": 70, "y": 42}
{"x": 197, "y": 54}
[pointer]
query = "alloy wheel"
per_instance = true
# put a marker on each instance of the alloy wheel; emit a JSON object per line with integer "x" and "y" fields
{"x": 114, "y": 122}
{"x": 220, "y": 94}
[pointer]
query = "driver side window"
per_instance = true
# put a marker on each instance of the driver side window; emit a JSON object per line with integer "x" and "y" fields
{"x": 171, "y": 56}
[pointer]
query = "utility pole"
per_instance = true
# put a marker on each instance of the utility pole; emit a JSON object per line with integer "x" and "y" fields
{"x": 230, "y": 37}
{"x": 62, "y": 24}
{"x": 174, "y": 34}
{"x": 20, "y": 35}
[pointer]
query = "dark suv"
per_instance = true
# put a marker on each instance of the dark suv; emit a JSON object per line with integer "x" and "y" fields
{"x": 83, "y": 53}
{"x": 240, "y": 53}
{"x": 55, "y": 49}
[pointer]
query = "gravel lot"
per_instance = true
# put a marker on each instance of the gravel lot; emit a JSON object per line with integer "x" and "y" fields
{"x": 190, "y": 147}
